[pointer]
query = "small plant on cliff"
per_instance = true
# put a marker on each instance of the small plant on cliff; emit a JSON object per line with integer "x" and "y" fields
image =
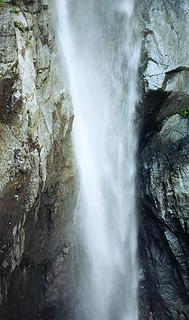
{"x": 19, "y": 26}
{"x": 14, "y": 10}
{"x": 184, "y": 113}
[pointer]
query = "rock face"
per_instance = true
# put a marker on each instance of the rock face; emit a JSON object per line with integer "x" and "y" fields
{"x": 164, "y": 165}
{"x": 36, "y": 167}
{"x": 165, "y": 49}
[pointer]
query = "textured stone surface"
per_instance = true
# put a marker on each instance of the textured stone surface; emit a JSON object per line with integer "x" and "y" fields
{"x": 166, "y": 44}
{"x": 166, "y": 195}
{"x": 36, "y": 165}
{"x": 165, "y": 220}
{"x": 164, "y": 165}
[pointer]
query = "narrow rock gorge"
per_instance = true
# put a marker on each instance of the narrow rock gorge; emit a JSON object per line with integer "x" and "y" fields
{"x": 38, "y": 177}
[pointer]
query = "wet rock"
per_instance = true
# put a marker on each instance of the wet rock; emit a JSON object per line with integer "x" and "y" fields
{"x": 164, "y": 163}
{"x": 164, "y": 228}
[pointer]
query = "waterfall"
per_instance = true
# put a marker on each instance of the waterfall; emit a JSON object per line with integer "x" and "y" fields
{"x": 100, "y": 47}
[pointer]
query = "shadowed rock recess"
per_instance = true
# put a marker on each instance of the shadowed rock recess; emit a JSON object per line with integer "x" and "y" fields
{"x": 37, "y": 171}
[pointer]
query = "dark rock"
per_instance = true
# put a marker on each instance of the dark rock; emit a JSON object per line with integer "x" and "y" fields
{"x": 164, "y": 161}
{"x": 164, "y": 226}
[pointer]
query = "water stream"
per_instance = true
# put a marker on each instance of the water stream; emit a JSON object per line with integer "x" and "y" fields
{"x": 101, "y": 49}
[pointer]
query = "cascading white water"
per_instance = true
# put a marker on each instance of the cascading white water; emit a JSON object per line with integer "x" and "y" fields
{"x": 101, "y": 48}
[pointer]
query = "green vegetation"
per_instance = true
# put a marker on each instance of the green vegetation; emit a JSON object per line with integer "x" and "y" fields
{"x": 19, "y": 26}
{"x": 12, "y": 2}
{"x": 14, "y": 10}
{"x": 29, "y": 44}
{"x": 184, "y": 113}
